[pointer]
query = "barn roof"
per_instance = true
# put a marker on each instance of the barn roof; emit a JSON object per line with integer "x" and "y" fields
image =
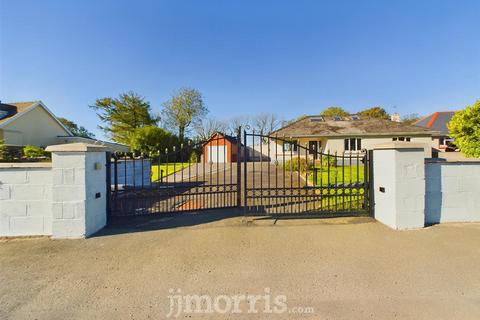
{"x": 231, "y": 139}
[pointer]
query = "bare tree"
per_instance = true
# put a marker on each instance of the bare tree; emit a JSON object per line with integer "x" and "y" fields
{"x": 266, "y": 123}
{"x": 236, "y": 122}
{"x": 204, "y": 129}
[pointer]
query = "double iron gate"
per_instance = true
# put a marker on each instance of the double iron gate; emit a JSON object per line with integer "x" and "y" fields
{"x": 261, "y": 174}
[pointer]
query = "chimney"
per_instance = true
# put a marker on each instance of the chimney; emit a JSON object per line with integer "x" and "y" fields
{"x": 395, "y": 117}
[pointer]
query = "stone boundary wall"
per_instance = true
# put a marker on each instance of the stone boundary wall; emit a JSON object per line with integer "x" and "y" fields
{"x": 63, "y": 199}
{"x": 452, "y": 191}
{"x": 25, "y": 199}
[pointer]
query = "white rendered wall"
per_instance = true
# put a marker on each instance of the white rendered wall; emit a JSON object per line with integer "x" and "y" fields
{"x": 401, "y": 174}
{"x": 452, "y": 192}
{"x": 25, "y": 200}
{"x": 77, "y": 212}
{"x": 384, "y": 176}
{"x": 96, "y": 187}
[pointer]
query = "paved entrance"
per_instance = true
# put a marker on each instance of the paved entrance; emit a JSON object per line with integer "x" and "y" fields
{"x": 344, "y": 269}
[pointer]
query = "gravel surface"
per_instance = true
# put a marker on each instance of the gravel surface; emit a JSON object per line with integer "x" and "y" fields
{"x": 350, "y": 268}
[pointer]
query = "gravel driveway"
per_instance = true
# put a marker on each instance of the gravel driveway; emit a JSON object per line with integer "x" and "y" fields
{"x": 350, "y": 268}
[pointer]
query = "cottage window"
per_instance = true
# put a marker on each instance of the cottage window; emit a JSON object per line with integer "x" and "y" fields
{"x": 352, "y": 144}
{"x": 290, "y": 145}
{"x": 407, "y": 139}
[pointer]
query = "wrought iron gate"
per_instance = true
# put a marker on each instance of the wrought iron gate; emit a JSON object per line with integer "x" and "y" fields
{"x": 177, "y": 180}
{"x": 286, "y": 177}
{"x": 266, "y": 175}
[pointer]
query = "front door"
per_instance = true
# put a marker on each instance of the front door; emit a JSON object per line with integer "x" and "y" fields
{"x": 313, "y": 148}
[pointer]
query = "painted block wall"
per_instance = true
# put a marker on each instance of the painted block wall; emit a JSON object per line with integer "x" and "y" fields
{"x": 384, "y": 177}
{"x": 25, "y": 201}
{"x": 399, "y": 187}
{"x": 452, "y": 192}
{"x": 79, "y": 193}
{"x": 96, "y": 192}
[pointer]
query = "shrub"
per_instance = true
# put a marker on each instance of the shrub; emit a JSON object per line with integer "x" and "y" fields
{"x": 329, "y": 161}
{"x": 151, "y": 139}
{"x": 4, "y": 154}
{"x": 193, "y": 157}
{"x": 465, "y": 130}
{"x": 296, "y": 164}
{"x": 34, "y": 152}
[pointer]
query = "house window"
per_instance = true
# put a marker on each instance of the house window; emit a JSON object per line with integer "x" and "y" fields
{"x": 352, "y": 144}
{"x": 290, "y": 145}
{"x": 407, "y": 139}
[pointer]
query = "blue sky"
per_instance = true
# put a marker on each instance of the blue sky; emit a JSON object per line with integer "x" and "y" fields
{"x": 287, "y": 57}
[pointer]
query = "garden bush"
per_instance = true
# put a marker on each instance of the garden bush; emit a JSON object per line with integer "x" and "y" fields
{"x": 34, "y": 152}
{"x": 297, "y": 164}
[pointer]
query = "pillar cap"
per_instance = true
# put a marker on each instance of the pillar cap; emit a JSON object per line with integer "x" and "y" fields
{"x": 399, "y": 145}
{"x": 77, "y": 147}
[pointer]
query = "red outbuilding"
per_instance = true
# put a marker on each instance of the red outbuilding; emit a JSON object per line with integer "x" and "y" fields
{"x": 220, "y": 148}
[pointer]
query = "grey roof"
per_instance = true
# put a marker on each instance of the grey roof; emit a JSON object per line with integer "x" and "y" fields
{"x": 348, "y": 126}
{"x": 436, "y": 121}
{"x": 11, "y": 109}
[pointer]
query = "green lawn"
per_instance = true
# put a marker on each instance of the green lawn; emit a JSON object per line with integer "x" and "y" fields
{"x": 346, "y": 199}
{"x": 346, "y": 173}
{"x": 167, "y": 170}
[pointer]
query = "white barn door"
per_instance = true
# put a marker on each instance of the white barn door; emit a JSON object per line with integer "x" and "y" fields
{"x": 216, "y": 154}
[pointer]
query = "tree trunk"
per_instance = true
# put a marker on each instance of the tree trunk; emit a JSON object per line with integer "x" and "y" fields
{"x": 181, "y": 133}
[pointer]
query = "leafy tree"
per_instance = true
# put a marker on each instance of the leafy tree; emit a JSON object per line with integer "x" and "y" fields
{"x": 464, "y": 127}
{"x": 122, "y": 115}
{"x": 374, "y": 112}
{"x": 184, "y": 109}
{"x": 76, "y": 130}
{"x": 334, "y": 111}
{"x": 410, "y": 118}
{"x": 151, "y": 140}
{"x": 34, "y": 152}
{"x": 204, "y": 129}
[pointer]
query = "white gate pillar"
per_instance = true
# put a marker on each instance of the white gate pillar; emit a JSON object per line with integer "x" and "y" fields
{"x": 399, "y": 184}
{"x": 79, "y": 189}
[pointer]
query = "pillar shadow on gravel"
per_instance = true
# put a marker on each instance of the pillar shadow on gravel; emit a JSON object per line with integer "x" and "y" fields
{"x": 132, "y": 224}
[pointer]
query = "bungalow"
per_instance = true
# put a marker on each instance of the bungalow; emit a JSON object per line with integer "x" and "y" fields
{"x": 438, "y": 121}
{"x": 348, "y": 134}
{"x": 32, "y": 123}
